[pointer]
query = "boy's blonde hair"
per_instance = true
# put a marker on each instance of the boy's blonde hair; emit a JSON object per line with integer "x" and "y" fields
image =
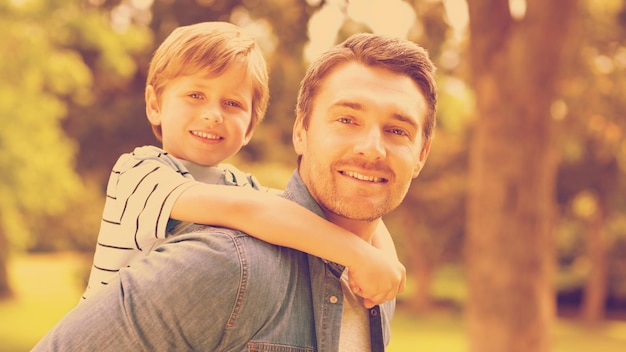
{"x": 210, "y": 47}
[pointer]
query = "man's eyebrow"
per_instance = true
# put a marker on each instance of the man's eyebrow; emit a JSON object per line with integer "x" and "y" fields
{"x": 358, "y": 106}
{"x": 347, "y": 104}
{"x": 406, "y": 119}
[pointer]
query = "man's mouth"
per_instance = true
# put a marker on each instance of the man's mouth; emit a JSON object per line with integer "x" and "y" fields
{"x": 205, "y": 135}
{"x": 362, "y": 177}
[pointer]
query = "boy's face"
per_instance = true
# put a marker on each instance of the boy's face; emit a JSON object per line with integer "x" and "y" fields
{"x": 203, "y": 119}
{"x": 364, "y": 142}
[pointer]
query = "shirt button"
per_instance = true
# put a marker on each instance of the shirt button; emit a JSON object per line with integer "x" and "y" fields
{"x": 333, "y": 299}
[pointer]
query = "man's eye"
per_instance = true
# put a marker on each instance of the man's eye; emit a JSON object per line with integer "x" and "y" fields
{"x": 398, "y": 131}
{"x": 195, "y": 95}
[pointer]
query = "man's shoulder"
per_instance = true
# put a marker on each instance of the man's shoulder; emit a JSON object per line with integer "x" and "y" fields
{"x": 236, "y": 260}
{"x": 240, "y": 249}
{"x": 225, "y": 241}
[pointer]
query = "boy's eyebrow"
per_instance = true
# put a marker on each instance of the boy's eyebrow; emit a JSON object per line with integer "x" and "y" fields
{"x": 197, "y": 84}
{"x": 203, "y": 86}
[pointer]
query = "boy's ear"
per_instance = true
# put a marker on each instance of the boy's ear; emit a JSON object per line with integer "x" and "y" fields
{"x": 153, "y": 112}
{"x": 247, "y": 138}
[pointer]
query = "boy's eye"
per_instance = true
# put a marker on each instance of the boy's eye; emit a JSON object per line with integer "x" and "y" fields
{"x": 195, "y": 95}
{"x": 345, "y": 120}
{"x": 232, "y": 103}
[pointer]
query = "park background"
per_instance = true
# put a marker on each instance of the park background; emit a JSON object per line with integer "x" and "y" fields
{"x": 514, "y": 235}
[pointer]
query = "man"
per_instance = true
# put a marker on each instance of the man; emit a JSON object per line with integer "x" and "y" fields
{"x": 364, "y": 124}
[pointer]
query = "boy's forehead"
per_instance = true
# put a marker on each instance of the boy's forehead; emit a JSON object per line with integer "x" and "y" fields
{"x": 207, "y": 73}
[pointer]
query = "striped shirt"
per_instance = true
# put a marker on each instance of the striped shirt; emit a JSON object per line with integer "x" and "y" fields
{"x": 141, "y": 192}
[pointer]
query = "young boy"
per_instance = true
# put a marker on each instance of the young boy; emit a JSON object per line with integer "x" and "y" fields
{"x": 207, "y": 89}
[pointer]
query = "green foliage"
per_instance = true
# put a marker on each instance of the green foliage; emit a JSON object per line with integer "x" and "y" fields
{"x": 35, "y": 154}
{"x": 42, "y": 71}
{"x": 76, "y": 228}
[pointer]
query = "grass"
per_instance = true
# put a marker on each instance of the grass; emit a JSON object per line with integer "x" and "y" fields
{"x": 48, "y": 286}
{"x": 432, "y": 333}
{"x": 444, "y": 332}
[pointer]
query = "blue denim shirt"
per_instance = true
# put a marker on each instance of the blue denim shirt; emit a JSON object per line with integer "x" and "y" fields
{"x": 216, "y": 289}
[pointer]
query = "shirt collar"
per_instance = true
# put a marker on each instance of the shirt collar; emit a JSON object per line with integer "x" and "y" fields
{"x": 298, "y": 192}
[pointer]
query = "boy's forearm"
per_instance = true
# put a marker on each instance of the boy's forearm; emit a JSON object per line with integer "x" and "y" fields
{"x": 282, "y": 222}
{"x": 383, "y": 240}
{"x": 270, "y": 218}
{"x": 375, "y": 274}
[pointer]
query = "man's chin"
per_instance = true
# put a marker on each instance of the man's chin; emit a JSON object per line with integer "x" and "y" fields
{"x": 361, "y": 211}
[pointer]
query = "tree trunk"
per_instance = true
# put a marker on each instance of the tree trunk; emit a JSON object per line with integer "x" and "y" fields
{"x": 419, "y": 262}
{"x": 596, "y": 287}
{"x": 509, "y": 250}
{"x": 5, "y": 288}
{"x": 422, "y": 269}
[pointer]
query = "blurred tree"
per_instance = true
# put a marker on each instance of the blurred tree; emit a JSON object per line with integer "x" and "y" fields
{"x": 288, "y": 20}
{"x": 591, "y": 178}
{"x": 41, "y": 74}
{"x": 36, "y": 157}
{"x": 117, "y": 118}
{"x": 516, "y": 53}
{"x": 429, "y": 225}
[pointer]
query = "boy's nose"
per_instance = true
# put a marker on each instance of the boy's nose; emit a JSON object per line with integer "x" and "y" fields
{"x": 213, "y": 116}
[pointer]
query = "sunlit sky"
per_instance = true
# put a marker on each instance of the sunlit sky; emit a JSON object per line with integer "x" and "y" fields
{"x": 323, "y": 26}
{"x": 389, "y": 17}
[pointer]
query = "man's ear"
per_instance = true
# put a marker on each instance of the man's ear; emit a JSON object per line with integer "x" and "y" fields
{"x": 422, "y": 158}
{"x": 153, "y": 111}
{"x": 299, "y": 136}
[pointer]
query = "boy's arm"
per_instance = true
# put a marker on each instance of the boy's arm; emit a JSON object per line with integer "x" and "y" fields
{"x": 382, "y": 240}
{"x": 375, "y": 275}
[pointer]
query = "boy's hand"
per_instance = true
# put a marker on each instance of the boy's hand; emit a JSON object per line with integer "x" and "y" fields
{"x": 377, "y": 277}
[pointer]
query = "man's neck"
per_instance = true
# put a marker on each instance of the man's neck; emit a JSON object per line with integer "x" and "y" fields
{"x": 297, "y": 191}
{"x": 362, "y": 228}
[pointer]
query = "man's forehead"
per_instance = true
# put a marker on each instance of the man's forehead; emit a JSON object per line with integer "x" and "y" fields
{"x": 359, "y": 87}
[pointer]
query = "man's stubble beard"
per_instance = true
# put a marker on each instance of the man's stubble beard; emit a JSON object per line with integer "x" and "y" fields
{"x": 334, "y": 201}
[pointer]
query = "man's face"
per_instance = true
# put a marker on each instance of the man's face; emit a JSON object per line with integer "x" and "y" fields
{"x": 364, "y": 142}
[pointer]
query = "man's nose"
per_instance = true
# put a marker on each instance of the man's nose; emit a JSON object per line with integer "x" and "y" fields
{"x": 370, "y": 143}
